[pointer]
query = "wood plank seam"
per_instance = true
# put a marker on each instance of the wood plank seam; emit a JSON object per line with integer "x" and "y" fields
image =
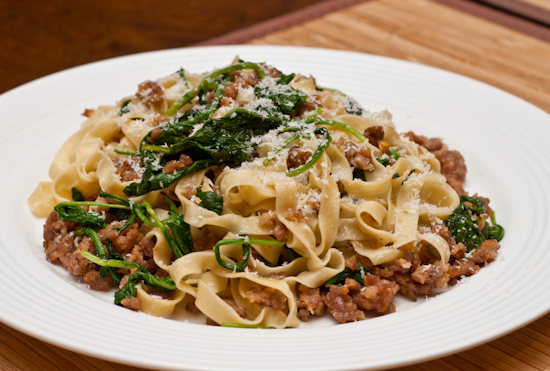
{"x": 522, "y": 8}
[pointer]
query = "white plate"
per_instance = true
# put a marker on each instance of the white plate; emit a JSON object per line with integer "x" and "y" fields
{"x": 502, "y": 138}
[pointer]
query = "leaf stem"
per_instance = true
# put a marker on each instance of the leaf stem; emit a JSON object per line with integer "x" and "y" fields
{"x": 344, "y": 127}
{"x": 316, "y": 155}
{"x": 245, "y": 242}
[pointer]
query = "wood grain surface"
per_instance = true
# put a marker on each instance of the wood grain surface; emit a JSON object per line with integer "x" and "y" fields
{"x": 42, "y": 37}
{"x": 536, "y": 10}
{"x": 430, "y": 33}
{"x": 423, "y": 31}
{"x": 540, "y": 3}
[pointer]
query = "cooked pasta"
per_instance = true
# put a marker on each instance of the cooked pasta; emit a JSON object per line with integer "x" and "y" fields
{"x": 258, "y": 199}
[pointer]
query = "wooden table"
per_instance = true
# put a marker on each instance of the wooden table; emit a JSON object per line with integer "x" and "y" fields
{"x": 509, "y": 49}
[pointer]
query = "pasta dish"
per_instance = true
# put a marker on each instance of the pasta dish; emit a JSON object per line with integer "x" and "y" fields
{"x": 259, "y": 199}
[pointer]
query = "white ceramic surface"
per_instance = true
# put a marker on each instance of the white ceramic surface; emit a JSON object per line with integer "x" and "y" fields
{"x": 503, "y": 139}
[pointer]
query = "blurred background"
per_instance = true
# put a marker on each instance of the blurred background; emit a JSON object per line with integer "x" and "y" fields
{"x": 42, "y": 37}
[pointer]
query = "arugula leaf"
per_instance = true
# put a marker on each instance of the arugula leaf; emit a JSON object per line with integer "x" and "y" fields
{"x": 77, "y": 195}
{"x": 72, "y": 212}
{"x": 463, "y": 224}
{"x": 125, "y": 152}
{"x": 223, "y": 140}
{"x": 209, "y": 80}
{"x": 181, "y": 231}
{"x": 210, "y": 200}
{"x": 124, "y": 108}
{"x": 245, "y": 242}
{"x": 152, "y": 181}
{"x": 352, "y": 106}
{"x": 292, "y": 254}
{"x": 288, "y": 99}
{"x": 285, "y": 79}
{"x": 340, "y": 278}
{"x": 107, "y": 271}
{"x": 343, "y": 127}
{"x": 359, "y": 174}
{"x": 163, "y": 285}
{"x": 383, "y": 160}
{"x": 239, "y": 325}
{"x": 100, "y": 250}
{"x": 181, "y": 73}
{"x": 394, "y": 154}
{"x": 316, "y": 155}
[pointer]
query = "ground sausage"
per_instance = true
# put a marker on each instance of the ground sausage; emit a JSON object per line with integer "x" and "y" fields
{"x": 75, "y": 263}
{"x": 376, "y": 294}
{"x": 486, "y": 252}
{"x": 123, "y": 242}
{"x": 205, "y": 242}
{"x": 173, "y": 165}
{"x": 245, "y": 79}
{"x": 311, "y": 103}
{"x": 132, "y": 303}
{"x": 58, "y": 237}
{"x": 280, "y": 231}
{"x": 453, "y": 166}
{"x": 267, "y": 296}
{"x": 297, "y": 157}
{"x": 340, "y": 303}
{"x": 150, "y": 92}
{"x": 374, "y": 134}
{"x": 310, "y": 302}
{"x": 127, "y": 168}
{"x": 88, "y": 112}
{"x": 358, "y": 157}
{"x": 431, "y": 144}
{"x": 93, "y": 279}
{"x": 434, "y": 275}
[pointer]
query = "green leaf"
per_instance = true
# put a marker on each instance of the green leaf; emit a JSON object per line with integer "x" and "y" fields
{"x": 359, "y": 174}
{"x": 343, "y": 127}
{"x": 223, "y": 140}
{"x": 316, "y": 155}
{"x": 124, "y": 152}
{"x": 181, "y": 73}
{"x": 181, "y": 231}
{"x": 209, "y": 80}
{"x": 352, "y": 106}
{"x": 238, "y": 325}
{"x": 340, "y": 278}
{"x": 152, "y": 181}
{"x": 245, "y": 242}
{"x": 162, "y": 285}
{"x": 72, "y": 212}
{"x": 100, "y": 249}
{"x": 210, "y": 200}
{"x": 77, "y": 195}
{"x": 288, "y": 99}
{"x": 124, "y": 108}
{"x": 463, "y": 224}
{"x": 383, "y": 160}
